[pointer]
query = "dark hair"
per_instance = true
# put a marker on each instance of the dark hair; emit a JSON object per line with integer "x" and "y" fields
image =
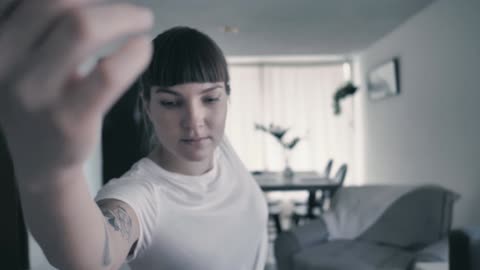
{"x": 181, "y": 55}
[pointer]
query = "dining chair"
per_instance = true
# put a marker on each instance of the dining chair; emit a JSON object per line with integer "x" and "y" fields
{"x": 300, "y": 208}
{"x": 339, "y": 179}
{"x": 274, "y": 212}
{"x": 328, "y": 168}
{"x": 340, "y": 175}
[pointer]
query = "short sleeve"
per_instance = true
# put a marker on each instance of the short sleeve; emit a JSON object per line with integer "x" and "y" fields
{"x": 140, "y": 196}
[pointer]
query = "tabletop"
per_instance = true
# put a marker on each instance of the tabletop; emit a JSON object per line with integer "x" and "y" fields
{"x": 310, "y": 181}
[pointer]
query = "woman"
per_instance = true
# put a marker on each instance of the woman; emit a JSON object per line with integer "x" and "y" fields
{"x": 190, "y": 204}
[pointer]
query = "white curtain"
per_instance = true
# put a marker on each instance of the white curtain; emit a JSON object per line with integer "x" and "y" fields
{"x": 299, "y": 97}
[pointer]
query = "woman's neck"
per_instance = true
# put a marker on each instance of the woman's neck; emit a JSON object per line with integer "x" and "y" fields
{"x": 174, "y": 164}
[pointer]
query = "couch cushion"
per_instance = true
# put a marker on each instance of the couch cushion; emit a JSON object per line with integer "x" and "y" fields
{"x": 352, "y": 254}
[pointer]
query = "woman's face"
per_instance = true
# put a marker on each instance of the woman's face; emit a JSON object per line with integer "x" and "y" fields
{"x": 189, "y": 119}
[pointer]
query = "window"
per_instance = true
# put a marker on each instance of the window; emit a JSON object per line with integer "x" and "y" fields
{"x": 298, "y": 96}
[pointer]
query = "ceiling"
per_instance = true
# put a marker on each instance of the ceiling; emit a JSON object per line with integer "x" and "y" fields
{"x": 287, "y": 27}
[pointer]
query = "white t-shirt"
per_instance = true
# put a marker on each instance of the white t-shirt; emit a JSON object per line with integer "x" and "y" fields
{"x": 215, "y": 221}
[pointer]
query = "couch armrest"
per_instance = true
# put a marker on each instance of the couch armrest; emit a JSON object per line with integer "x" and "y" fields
{"x": 290, "y": 242}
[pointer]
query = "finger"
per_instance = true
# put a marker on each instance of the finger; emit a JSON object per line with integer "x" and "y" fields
{"x": 28, "y": 22}
{"x": 77, "y": 37}
{"x": 97, "y": 92}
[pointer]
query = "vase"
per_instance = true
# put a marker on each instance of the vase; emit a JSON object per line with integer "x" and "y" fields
{"x": 287, "y": 171}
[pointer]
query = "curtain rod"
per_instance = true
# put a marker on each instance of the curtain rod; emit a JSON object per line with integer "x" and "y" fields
{"x": 291, "y": 63}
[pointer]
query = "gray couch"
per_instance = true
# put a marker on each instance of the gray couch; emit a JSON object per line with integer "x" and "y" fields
{"x": 409, "y": 224}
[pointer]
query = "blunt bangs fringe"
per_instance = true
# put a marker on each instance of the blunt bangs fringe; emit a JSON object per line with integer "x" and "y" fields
{"x": 185, "y": 55}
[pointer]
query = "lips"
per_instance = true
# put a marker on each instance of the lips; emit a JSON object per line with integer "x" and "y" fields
{"x": 196, "y": 139}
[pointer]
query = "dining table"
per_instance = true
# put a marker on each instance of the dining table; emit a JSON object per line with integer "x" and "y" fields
{"x": 310, "y": 181}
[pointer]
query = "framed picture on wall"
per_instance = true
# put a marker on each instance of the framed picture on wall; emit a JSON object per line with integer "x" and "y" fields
{"x": 383, "y": 80}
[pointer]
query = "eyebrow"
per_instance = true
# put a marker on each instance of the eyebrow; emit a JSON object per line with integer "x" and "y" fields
{"x": 169, "y": 91}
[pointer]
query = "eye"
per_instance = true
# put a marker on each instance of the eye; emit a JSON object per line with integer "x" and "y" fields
{"x": 211, "y": 99}
{"x": 170, "y": 103}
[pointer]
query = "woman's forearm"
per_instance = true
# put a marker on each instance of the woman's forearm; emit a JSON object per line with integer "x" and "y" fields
{"x": 63, "y": 218}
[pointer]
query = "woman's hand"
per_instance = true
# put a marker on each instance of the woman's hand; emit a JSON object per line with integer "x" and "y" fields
{"x": 49, "y": 112}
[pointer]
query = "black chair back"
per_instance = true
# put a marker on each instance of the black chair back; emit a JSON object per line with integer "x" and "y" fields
{"x": 328, "y": 168}
{"x": 327, "y": 195}
{"x": 340, "y": 175}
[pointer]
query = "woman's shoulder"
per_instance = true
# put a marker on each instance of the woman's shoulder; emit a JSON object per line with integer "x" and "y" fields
{"x": 136, "y": 178}
{"x": 144, "y": 170}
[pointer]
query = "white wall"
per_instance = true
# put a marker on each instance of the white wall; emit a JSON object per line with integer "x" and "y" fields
{"x": 429, "y": 133}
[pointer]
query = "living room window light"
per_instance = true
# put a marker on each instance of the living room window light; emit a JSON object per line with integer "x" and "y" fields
{"x": 295, "y": 94}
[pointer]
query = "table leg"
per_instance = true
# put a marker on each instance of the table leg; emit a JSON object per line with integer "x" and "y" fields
{"x": 311, "y": 204}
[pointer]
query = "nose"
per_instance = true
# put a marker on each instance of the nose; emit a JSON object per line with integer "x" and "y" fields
{"x": 193, "y": 117}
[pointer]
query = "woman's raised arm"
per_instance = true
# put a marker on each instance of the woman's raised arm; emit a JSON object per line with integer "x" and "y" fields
{"x": 51, "y": 115}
